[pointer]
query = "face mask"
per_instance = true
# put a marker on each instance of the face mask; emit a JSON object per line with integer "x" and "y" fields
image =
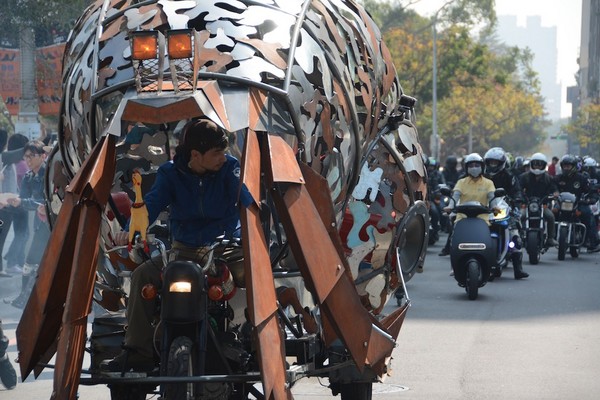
{"x": 536, "y": 171}
{"x": 474, "y": 171}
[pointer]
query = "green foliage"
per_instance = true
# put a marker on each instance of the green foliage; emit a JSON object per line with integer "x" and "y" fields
{"x": 586, "y": 127}
{"x": 485, "y": 90}
{"x": 48, "y": 17}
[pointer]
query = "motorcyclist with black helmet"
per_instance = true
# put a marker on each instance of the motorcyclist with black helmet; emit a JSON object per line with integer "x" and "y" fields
{"x": 450, "y": 172}
{"x": 538, "y": 183}
{"x": 495, "y": 169}
{"x": 434, "y": 179}
{"x": 570, "y": 180}
{"x": 517, "y": 167}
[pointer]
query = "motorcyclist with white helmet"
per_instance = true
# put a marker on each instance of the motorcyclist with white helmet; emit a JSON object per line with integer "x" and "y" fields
{"x": 572, "y": 181}
{"x": 537, "y": 182}
{"x": 590, "y": 167}
{"x": 473, "y": 187}
{"x": 495, "y": 169}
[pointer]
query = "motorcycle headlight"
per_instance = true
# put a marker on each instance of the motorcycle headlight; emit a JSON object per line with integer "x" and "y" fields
{"x": 566, "y": 206}
{"x": 180, "y": 287}
{"x": 534, "y": 208}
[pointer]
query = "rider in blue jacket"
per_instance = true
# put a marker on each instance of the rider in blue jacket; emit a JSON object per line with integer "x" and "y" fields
{"x": 201, "y": 187}
{"x": 202, "y": 206}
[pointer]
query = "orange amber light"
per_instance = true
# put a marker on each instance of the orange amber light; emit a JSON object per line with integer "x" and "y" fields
{"x": 179, "y": 44}
{"x": 149, "y": 291}
{"x": 215, "y": 293}
{"x": 144, "y": 46}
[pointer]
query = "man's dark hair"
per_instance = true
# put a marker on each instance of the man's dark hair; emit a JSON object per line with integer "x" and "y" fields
{"x": 17, "y": 141}
{"x": 201, "y": 135}
{"x": 35, "y": 146}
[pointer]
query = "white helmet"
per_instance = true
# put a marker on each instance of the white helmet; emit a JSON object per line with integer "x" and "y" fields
{"x": 477, "y": 169}
{"x": 538, "y": 163}
{"x": 590, "y": 162}
{"x": 473, "y": 157}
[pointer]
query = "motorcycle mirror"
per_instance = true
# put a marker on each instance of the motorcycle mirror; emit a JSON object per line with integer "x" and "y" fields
{"x": 445, "y": 191}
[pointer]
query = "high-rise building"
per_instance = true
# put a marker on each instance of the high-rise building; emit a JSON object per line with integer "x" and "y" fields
{"x": 588, "y": 79}
{"x": 542, "y": 41}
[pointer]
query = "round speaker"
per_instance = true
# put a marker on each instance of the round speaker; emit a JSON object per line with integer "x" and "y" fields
{"x": 411, "y": 238}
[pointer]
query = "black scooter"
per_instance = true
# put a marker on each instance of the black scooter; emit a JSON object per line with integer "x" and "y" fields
{"x": 473, "y": 250}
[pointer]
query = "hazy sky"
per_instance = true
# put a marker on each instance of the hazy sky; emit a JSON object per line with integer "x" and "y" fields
{"x": 564, "y": 14}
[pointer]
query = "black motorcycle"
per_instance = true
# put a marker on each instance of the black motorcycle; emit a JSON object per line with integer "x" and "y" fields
{"x": 195, "y": 336}
{"x": 535, "y": 232}
{"x": 570, "y": 230}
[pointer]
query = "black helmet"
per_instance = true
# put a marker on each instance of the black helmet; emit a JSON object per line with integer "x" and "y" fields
{"x": 451, "y": 162}
{"x": 569, "y": 160}
{"x": 495, "y": 160}
{"x": 519, "y": 163}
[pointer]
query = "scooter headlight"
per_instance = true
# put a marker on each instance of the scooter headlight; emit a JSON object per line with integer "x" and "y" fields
{"x": 566, "y": 206}
{"x": 180, "y": 287}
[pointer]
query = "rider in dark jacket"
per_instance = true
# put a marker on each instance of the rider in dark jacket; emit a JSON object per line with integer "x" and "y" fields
{"x": 570, "y": 180}
{"x": 451, "y": 174}
{"x": 434, "y": 180}
{"x": 495, "y": 169}
{"x": 538, "y": 183}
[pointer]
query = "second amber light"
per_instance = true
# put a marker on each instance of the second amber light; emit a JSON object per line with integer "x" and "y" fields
{"x": 179, "y": 44}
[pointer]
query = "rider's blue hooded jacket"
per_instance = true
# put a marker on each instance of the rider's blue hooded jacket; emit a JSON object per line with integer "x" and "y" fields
{"x": 201, "y": 207}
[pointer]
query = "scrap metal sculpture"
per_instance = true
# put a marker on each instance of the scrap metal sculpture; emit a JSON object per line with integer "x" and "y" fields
{"x": 327, "y": 143}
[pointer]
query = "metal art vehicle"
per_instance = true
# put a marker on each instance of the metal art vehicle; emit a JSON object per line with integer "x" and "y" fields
{"x": 328, "y": 147}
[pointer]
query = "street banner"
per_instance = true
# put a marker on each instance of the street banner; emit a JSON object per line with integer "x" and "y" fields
{"x": 10, "y": 79}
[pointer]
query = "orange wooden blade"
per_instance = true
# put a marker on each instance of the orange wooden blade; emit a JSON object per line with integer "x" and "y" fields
{"x": 260, "y": 289}
{"x": 71, "y": 343}
{"x": 322, "y": 267}
{"x": 38, "y": 329}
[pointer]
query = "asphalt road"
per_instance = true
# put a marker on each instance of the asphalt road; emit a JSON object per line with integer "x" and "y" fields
{"x": 537, "y": 338}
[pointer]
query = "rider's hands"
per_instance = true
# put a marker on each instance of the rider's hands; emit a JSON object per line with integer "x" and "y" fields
{"x": 121, "y": 238}
{"x": 447, "y": 209}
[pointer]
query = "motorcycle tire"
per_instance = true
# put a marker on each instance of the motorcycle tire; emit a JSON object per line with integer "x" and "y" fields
{"x": 473, "y": 279}
{"x": 574, "y": 250}
{"x": 563, "y": 234}
{"x": 180, "y": 364}
{"x": 533, "y": 250}
{"x": 356, "y": 391}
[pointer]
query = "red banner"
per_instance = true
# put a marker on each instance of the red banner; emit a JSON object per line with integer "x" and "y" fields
{"x": 49, "y": 78}
{"x": 10, "y": 79}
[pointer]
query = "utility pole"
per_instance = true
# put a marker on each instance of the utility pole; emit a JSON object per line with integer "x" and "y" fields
{"x": 28, "y": 118}
{"x": 435, "y": 138}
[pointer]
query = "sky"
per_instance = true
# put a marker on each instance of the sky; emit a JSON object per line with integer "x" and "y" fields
{"x": 564, "y": 14}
